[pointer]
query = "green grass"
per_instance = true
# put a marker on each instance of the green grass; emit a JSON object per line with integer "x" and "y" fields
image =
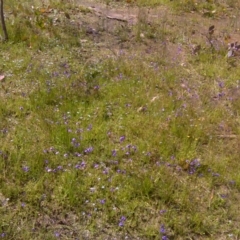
{"x": 107, "y": 146}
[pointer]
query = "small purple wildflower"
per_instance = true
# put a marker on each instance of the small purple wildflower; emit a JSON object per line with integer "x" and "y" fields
{"x": 89, "y": 128}
{"x": 106, "y": 171}
{"x": 81, "y": 165}
{"x": 165, "y": 238}
{"x": 223, "y": 196}
{"x": 221, "y": 84}
{"x": 114, "y": 153}
{"x": 23, "y": 204}
{"x": 120, "y": 76}
{"x": 179, "y": 49}
{"x": 88, "y": 150}
{"x": 59, "y": 168}
{"x": 3, "y": 235}
{"x": 55, "y": 74}
{"x": 96, "y": 165}
{"x": 215, "y": 174}
{"x": 52, "y": 149}
{"x": 134, "y": 148}
{"x": 79, "y": 130}
{"x": 57, "y": 234}
{"x": 25, "y": 168}
{"x": 163, "y": 211}
{"x": 162, "y": 229}
{"x": 75, "y": 144}
{"x": 128, "y": 146}
{"x": 122, "y": 138}
{"x": 102, "y": 201}
{"x": 77, "y": 154}
{"x": 4, "y": 131}
{"x": 221, "y": 94}
{"x": 194, "y": 164}
{"x": 122, "y": 221}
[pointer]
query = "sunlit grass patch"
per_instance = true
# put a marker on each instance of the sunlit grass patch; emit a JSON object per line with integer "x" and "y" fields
{"x": 140, "y": 143}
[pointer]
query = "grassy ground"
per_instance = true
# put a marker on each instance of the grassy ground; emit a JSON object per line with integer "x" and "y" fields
{"x": 119, "y": 126}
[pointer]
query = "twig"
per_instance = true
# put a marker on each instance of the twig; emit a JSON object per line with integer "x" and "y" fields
{"x": 231, "y": 136}
{"x": 117, "y": 19}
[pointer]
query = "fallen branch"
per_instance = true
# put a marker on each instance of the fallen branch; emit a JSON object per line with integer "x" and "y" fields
{"x": 231, "y": 136}
{"x": 117, "y": 18}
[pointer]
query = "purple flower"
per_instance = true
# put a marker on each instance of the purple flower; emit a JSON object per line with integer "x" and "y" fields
{"x": 25, "y": 168}
{"x": 88, "y": 150}
{"x": 4, "y": 130}
{"x": 77, "y": 154}
{"x": 163, "y": 211}
{"x": 75, "y": 143}
{"x": 162, "y": 229}
{"x": 122, "y": 138}
{"x": 114, "y": 153}
{"x": 23, "y": 204}
{"x": 96, "y": 165}
{"x": 105, "y": 171}
{"x": 194, "y": 164}
{"x": 165, "y": 238}
{"x": 179, "y": 49}
{"x": 122, "y": 221}
{"x": 102, "y": 201}
{"x": 52, "y": 149}
{"x": 223, "y": 195}
{"x": 120, "y": 76}
{"x": 221, "y": 84}
{"x": 3, "y": 235}
{"x": 81, "y": 165}
{"x": 59, "y": 168}
{"x": 134, "y": 148}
